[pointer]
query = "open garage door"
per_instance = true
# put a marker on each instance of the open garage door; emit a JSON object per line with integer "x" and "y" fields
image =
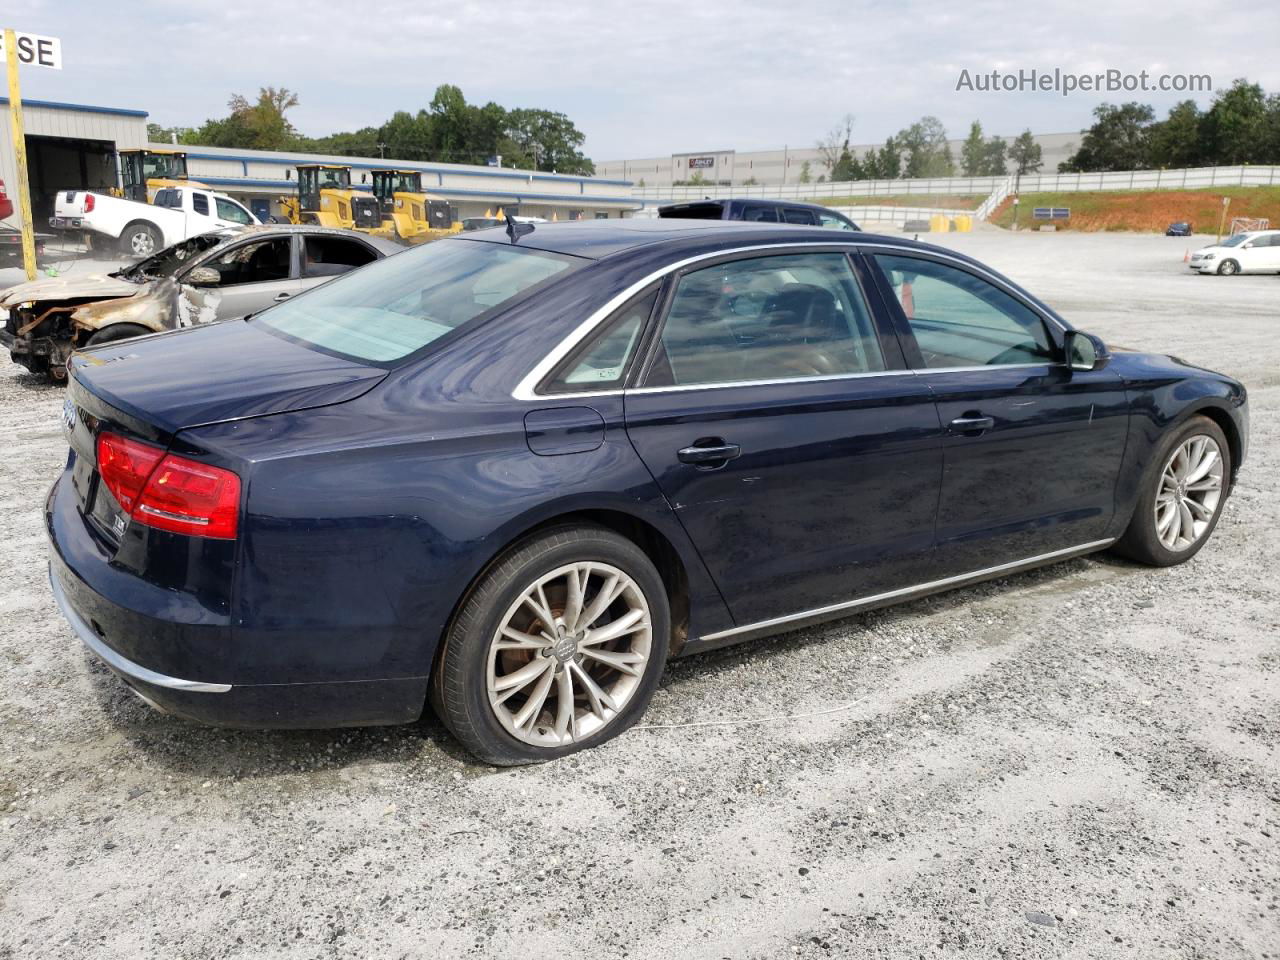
{"x": 64, "y": 163}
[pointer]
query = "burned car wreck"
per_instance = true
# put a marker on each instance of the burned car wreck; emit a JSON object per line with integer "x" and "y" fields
{"x": 215, "y": 276}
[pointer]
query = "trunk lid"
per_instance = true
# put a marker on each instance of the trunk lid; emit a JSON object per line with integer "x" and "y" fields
{"x": 158, "y": 385}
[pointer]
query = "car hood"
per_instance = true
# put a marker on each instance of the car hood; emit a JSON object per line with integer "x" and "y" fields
{"x": 213, "y": 374}
{"x": 91, "y": 286}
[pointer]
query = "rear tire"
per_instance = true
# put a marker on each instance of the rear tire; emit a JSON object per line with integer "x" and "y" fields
{"x": 515, "y": 688}
{"x": 1228, "y": 268}
{"x": 1177, "y": 495}
{"x": 139, "y": 240}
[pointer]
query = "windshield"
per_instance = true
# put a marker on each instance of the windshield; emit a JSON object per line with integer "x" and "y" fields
{"x": 334, "y": 179}
{"x": 167, "y": 261}
{"x": 161, "y": 165}
{"x": 1235, "y": 241}
{"x": 391, "y": 308}
{"x": 406, "y": 183}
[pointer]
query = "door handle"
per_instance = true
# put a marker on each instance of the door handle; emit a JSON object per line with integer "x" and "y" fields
{"x": 280, "y": 296}
{"x": 971, "y": 425}
{"x": 709, "y": 453}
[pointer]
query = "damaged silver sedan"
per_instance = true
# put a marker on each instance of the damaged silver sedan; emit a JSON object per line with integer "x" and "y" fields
{"x": 215, "y": 276}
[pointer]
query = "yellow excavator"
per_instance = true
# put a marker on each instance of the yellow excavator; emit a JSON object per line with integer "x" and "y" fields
{"x": 325, "y": 197}
{"x": 415, "y": 215}
{"x": 143, "y": 172}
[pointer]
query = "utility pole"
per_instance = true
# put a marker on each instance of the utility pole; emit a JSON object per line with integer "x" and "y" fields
{"x": 20, "y": 155}
{"x": 1222, "y": 220}
{"x": 382, "y": 150}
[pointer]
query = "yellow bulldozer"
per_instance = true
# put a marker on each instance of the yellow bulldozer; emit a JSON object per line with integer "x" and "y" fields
{"x": 143, "y": 172}
{"x": 325, "y": 197}
{"x": 415, "y": 215}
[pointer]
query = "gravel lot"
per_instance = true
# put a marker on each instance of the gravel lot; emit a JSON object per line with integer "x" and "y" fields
{"x": 1080, "y": 761}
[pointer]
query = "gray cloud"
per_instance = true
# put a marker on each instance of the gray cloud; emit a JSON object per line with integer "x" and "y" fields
{"x": 644, "y": 77}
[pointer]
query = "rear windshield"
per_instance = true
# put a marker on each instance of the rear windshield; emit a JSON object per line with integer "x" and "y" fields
{"x": 389, "y": 309}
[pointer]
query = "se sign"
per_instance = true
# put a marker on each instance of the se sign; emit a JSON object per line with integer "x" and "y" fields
{"x": 35, "y": 50}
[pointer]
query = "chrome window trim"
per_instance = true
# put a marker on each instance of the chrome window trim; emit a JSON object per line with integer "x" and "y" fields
{"x": 929, "y": 587}
{"x": 527, "y": 388}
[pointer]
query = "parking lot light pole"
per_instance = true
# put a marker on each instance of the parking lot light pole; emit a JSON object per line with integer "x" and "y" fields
{"x": 20, "y": 155}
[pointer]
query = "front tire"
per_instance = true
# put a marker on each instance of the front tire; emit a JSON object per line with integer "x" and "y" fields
{"x": 1228, "y": 268}
{"x": 558, "y": 647}
{"x": 1182, "y": 496}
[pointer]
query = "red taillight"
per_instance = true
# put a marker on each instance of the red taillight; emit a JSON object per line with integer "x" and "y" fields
{"x": 169, "y": 492}
{"x": 88, "y": 203}
{"x": 125, "y": 465}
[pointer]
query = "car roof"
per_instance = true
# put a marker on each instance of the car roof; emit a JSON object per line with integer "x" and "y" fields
{"x": 602, "y": 239}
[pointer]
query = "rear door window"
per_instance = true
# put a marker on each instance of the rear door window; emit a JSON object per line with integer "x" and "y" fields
{"x": 759, "y": 213}
{"x": 799, "y": 215}
{"x": 200, "y": 203}
{"x": 331, "y": 256}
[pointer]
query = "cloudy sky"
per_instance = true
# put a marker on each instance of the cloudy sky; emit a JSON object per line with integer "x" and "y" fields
{"x": 645, "y": 77}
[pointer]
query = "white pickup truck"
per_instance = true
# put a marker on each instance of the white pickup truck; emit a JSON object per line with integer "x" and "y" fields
{"x": 141, "y": 229}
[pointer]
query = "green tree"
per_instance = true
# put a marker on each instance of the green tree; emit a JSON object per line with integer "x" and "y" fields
{"x": 1235, "y": 130}
{"x": 805, "y": 175}
{"x": 1175, "y": 141}
{"x": 973, "y": 154}
{"x": 1118, "y": 140}
{"x": 835, "y": 142}
{"x": 994, "y": 153}
{"x": 889, "y": 160}
{"x": 261, "y": 125}
{"x": 159, "y": 134}
{"x": 924, "y": 145}
{"x": 1025, "y": 154}
{"x": 844, "y": 168}
{"x": 549, "y": 139}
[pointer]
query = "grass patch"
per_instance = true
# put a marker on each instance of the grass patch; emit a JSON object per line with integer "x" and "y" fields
{"x": 1147, "y": 211}
{"x": 946, "y": 200}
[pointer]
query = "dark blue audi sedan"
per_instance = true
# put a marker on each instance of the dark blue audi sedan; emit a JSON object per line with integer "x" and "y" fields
{"x": 512, "y": 474}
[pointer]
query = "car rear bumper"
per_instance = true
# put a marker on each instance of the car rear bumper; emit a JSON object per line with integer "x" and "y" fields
{"x": 160, "y": 658}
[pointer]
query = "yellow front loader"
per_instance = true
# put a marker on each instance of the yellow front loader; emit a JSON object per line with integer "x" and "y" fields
{"x": 414, "y": 214}
{"x": 143, "y": 172}
{"x": 325, "y": 197}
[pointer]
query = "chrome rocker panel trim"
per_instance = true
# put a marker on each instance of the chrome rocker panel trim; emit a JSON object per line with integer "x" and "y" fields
{"x": 793, "y": 621}
{"x": 118, "y": 663}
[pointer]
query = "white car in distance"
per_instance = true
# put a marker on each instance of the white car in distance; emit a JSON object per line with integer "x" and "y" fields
{"x": 1257, "y": 251}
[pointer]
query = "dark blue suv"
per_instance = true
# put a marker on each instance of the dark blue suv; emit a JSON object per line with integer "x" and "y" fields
{"x": 759, "y": 211}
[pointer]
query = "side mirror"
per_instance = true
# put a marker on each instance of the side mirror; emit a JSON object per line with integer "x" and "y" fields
{"x": 203, "y": 277}
{"x": 1085, "y": 351}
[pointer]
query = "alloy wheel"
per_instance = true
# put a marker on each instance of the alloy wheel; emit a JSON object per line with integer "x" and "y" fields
{"x": 569, "y": 654}
{"x": 1189, "y": 494}
{"x": 142, "y": 244}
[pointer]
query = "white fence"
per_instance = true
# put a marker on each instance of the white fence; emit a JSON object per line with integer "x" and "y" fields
{"x": 977, "y": 186}
{"x": 1181, "y": 179}
{"x": 898, "y": 215}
